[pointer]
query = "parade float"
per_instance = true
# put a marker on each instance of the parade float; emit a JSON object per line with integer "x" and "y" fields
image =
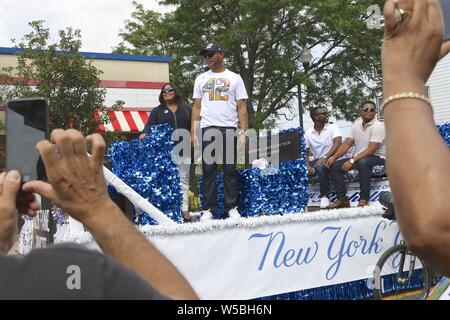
{"x": 277, "y": 250}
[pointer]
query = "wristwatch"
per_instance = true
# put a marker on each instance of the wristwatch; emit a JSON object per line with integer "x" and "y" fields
{"x": 242, "y": 132}
{"x": 352, "y": 161}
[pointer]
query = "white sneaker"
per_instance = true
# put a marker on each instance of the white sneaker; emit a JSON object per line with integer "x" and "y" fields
{"x": 234, "y": 214}
{"x": 206, "y": 216}
{"x": 324, "y": 202}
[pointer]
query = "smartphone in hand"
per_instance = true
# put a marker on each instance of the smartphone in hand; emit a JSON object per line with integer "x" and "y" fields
{"x": 26, "y": 125}
{"x": 446, "y": 14}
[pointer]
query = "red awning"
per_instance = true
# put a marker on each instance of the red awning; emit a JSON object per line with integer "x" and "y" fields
{"x": 125, "y": 121}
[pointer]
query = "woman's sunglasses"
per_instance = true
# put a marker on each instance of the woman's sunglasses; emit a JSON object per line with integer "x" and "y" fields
{"x": 168, "y": 90}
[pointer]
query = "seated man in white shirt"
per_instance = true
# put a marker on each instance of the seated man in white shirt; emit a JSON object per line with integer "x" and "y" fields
{"x": 368, "y": 137}
{"x": 323, "y": 140}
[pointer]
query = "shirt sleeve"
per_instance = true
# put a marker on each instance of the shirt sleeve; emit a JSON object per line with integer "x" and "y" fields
{"x": 335, "y": 131}
{"x": 241, "y": 92}
{"x": 308, "y": 145}
{"x": 352, "y": 132}
{"x": 378, "y": 133}
{"x": 197, "y": 90}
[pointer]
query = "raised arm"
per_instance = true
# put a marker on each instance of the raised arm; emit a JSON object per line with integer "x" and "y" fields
{"x": 78, "y": 186}
{"x": 417, "y": 157}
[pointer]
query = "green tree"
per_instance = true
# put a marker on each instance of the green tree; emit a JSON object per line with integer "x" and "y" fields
{"x": 59, "y": 73}
{"x": 264, "y": 40}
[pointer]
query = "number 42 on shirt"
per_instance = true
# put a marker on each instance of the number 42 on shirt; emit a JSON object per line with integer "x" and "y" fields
{"x": 217, "y": 89}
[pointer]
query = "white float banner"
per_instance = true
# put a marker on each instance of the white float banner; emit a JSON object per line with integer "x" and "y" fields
{"x": 259, "y": 257}
{"x": 376, "y": 187}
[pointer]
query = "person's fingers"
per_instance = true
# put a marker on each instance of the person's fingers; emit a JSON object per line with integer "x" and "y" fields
{"x": 79, "y": 143}
{"x": 435, "y": 15}
{"x": 389, "y": 16}
{"x": 420, "y": 12}
{"x": 98, "y": 147}
{"x": 31, "y": 213}
{"x": 62, "y": 139}
{"x": 49, "y": 156}
{"x": 40, "y": 187}
{"x": 27, "y": 198}
{"x": 34, "y": 206}
{"x": 55, "y": 132}
{"x": 11, "y": 186}
{"x": 27, "y": 202}
{"x": 25, "y": 207}
{"x": 445, "y": 49}
{"x": 2, "y": 179}
{"x": 406, "y": 5}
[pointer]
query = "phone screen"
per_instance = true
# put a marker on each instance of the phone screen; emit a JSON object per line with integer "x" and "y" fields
{"x": 26, "y": 125}
{"x": 446, "y": 13}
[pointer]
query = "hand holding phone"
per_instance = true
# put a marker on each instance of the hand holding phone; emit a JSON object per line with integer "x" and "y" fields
{"x": 26, "y": 125}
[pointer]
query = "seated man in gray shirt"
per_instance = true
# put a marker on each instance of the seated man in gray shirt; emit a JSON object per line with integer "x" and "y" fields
{"x": 368, "y": 137}
{"x": 77, "y": 185}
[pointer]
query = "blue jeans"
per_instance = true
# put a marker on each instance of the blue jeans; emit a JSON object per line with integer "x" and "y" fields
{"x": 364, "y": 167}
{"x": 324, "y": 178}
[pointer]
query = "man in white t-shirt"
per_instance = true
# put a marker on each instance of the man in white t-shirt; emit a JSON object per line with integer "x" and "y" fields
{"x": 322, "y": 141}
{"x": 368, "y": 136}
{"x": 219, "y": 101}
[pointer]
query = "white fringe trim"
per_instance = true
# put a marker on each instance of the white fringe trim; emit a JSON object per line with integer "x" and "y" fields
{"x": 65, "y": 234}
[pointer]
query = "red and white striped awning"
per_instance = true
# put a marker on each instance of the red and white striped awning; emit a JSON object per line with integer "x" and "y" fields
{"x": 125, "y": 121}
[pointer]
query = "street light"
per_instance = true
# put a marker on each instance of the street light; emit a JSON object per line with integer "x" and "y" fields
{"x": 305, "y": 59}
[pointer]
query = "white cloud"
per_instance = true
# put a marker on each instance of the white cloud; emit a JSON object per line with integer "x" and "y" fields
{"x": 100, "y": 21}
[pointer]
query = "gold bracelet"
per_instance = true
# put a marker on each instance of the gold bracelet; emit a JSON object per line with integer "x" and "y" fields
{"x": 406, "y": 95}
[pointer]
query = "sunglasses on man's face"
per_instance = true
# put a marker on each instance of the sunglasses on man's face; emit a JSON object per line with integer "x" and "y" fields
{"x": 369, "y": 110}
{"x": 208, "y": 55}
{"x": 168, "y": 90}
{"x": 322, "y": 114}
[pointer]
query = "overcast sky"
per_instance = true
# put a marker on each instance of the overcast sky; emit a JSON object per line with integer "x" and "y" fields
{"x": 100, "y": 21}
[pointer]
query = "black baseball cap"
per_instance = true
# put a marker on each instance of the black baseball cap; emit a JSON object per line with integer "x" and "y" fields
{"x": 212, "y": 47}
